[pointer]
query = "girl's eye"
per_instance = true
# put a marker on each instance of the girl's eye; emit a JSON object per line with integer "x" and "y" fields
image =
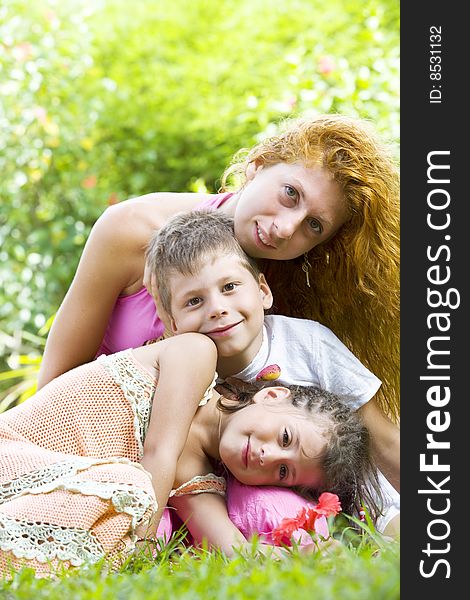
{"x": 283, "y": 472}
{"x": 291, "y": 193}
{"x": 194, "y": 301}
{"x": 285, "y": 438}
{"x": 229, "y": 287}
{"x": 315, "y": 225}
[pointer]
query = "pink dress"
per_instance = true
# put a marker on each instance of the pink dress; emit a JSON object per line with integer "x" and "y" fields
{"x": 72, "y": 490}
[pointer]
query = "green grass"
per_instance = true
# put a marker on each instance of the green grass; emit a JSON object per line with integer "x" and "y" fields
{"x": 359, "y": 569}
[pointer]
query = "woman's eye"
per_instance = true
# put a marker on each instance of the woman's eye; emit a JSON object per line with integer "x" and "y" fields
{"x": 291, "y": 193}
{"x": 194, "y": 301}
{"x": 285, "y": 438}
{"x": 229, "y": 287}
{"x": 283, "y": 472}
{"x": 315, "y": 225}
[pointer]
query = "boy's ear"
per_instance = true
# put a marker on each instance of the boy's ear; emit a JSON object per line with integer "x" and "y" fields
{"x": 173, "y": 327}
{"x": 265, "y": 291}
{"x": 252, "y": 168}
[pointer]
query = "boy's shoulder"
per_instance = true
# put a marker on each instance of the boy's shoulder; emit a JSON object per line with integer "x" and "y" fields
{"x": 289, "y": 325}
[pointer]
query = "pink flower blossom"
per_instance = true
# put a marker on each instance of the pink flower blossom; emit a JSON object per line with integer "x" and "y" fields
{"x": 326, "y": 65}
{"x": 291, "y": 102}
{"x": 89, "y": 182}
{"x": 41, "y": 114}
{"x": 23, "y": 51}
{"x": 113, "y": 199}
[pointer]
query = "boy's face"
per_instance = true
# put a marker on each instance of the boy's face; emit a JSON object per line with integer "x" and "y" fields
{"x": 225, "y": 302}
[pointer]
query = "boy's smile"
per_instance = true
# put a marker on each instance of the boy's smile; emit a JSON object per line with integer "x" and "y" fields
{"x": 225, "y": 302}
{"x": 222, "y": 331}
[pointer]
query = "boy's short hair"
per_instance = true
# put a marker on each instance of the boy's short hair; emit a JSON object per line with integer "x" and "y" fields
{"x": 184, "y": 244}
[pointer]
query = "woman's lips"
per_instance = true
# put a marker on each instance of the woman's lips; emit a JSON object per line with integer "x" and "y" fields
{"x": 261, "y": 238}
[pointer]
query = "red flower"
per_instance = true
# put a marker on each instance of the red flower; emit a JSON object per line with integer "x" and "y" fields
{"x": 283, "y": 533}
{"x": 310, "y": 518}
{"x": 328, "y": 505}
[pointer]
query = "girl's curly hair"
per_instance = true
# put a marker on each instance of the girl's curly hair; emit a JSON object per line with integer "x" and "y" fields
{"x": 349, "y": 470}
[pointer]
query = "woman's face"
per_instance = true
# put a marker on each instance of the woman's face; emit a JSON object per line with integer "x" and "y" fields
{"x": 286, "y": 209}
{"x": 272, "y": 443}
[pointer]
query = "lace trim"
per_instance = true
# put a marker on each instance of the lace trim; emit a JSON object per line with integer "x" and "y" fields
{"x": 44, "y": 542}
{"x": 208, "y": 393}
{"x": 200, "y": 484}
{"x": 61, "y": 475}
{"x": 138, "y": 389}
{"x": 126, "y": 498}
{"x": 28, "y": 482}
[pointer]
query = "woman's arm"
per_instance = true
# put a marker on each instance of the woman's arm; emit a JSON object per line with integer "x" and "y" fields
{"x": 385, "y": 441}
{"x": 187, "y": 367}
{"x": 112, "y": 262}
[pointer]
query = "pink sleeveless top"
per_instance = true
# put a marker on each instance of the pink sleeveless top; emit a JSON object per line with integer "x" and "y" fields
{"x": 134, "y": 319}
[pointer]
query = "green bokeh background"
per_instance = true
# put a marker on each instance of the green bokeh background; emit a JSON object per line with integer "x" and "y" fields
{"x": 107, "y": 99}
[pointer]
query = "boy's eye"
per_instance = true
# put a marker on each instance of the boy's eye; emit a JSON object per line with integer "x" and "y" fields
{"x": 283, "y": 472}
{"x": 194, "y": 301}
{"x": 315, "y": 225}
{"x": 229, "y": 287}
{"x": 285, "y": 438}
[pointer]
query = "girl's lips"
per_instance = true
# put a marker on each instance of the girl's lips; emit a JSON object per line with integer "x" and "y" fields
{"x": 245, "y": 452}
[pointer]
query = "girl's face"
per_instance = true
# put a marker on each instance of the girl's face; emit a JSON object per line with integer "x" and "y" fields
{"x": 272, "y": 443}
{"x": 286, "y": 209}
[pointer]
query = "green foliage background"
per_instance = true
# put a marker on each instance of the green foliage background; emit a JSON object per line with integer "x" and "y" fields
{"x": 107, "y": 99}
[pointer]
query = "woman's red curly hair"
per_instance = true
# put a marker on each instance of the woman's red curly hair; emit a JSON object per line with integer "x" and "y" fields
{"x": 354, "y": 277}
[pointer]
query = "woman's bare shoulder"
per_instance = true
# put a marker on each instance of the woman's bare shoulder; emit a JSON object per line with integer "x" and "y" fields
{"x": 156, "y": 208}
{"x": 126, "y": 228}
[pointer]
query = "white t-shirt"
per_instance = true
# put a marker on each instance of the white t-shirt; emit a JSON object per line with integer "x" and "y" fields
{"x": 310, "y": 354}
